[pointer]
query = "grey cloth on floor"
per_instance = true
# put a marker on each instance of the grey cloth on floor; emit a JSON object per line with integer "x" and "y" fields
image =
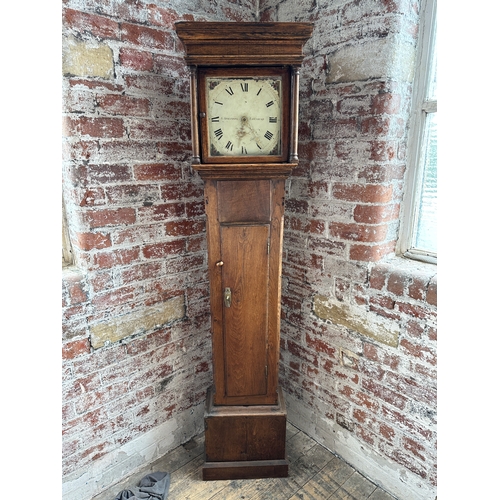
{"x": 154, "y": 486}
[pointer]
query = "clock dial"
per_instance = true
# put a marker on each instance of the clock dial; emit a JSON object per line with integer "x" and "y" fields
{"x": 244, "y": 116}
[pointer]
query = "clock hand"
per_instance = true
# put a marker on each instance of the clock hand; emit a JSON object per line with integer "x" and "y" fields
{"x": 246, "y": 123}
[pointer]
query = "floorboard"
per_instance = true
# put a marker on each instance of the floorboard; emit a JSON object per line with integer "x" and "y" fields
{"x": 314, "y": 474}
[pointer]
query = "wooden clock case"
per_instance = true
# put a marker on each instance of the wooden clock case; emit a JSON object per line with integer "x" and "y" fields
{"x": 245, "y": 415}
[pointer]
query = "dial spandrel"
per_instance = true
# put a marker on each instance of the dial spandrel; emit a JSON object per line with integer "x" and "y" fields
{"x": 244, "y": 116}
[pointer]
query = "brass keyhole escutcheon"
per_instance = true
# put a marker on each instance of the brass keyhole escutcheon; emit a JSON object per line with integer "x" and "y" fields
{"x": 227, "y": 297}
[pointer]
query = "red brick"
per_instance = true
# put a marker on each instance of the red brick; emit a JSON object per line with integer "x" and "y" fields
{"x": 116, "y": 297}
{"x": 94, "y": 127}
{"x": 416, "y": 311}
{"x": 105, "y": 260}
{"x": 76, "y": 292}
{"x": 416, "y": 290}
{"x": 126, "y": 194}
{"x": 387, "y": 432}
{"x": 372, "y": 253}
{"x": 97, "y": 85}
{"x": 380, "y": 392}
{"x": 76, "y": 348}
{"x": 365, "y": 435}
{"x": 158, "y": 84}
{"x": 91, "y": 241}
{"x": 406, "y": 461}
{"x": 413, "y": 389}
{"x": 363, "y": 193}
{"x": 140, "y": 272}
{"x": 123, "y": 105}
{"x": 383, "y": 150}
{"x": 109, "y": 217}
{"x": 386, "y": 104}
{"x": 301, "y": 353}
{"x": 376, "y": 214}
{"x": 382, "y": 301}
{"x": 161, "y": 212}
{"x": 170, "y": 108}
{"x": 160, "y": 250}
{"x": 195, "y": 209}
{"x": 100, "y": 174}
{"x": 415, "y": 329}
{"x": 405, "y": 423}
{"x": 379, "y": 174}
{"x": 418, "y": 351}
{"x": 185, "y": 263}
{"x": 147, "y": 37}
{"x": 157, "y": 171}
{"x": 358, "y": 232}
{"x": 297, "y": 206}
{"x": 153, "y": 129}
{"x": 185, "y": 227}
{"x": 397, "y": 283}
{"x": 99, "y": 26}
{"x": 414, "y": 447}
{"x": 432, "y": 292}
{"x": 376, "y": 126}
{"x": 92, "y": 197}
{"x": 319, "y": 345}
{"x": 137, "y": 60}
{"x": 174, "y": 192}
{"x": 378, "y": 278}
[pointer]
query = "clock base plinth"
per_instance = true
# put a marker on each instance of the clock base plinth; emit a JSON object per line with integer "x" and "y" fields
{"x": 245, "y": 442}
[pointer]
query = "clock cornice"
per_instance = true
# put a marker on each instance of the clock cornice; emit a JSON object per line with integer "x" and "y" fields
{"x": 236, "y": 43}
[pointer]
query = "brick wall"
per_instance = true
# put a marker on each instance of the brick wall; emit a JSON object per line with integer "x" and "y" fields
{"x": 358, "y": 331}
{"x": 136, "y": 339}
{"x": 358, "y": 323}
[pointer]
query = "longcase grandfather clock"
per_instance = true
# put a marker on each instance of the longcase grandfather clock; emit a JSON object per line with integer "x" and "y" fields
{"x": 244, "y": 120}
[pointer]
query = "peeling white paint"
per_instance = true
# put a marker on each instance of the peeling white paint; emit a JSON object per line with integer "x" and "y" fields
{"x": 387, "y": 474}
{"x": 94, "y": 478}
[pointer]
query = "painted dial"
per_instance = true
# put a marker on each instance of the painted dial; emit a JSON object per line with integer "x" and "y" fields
{"x": 244, "y": 116}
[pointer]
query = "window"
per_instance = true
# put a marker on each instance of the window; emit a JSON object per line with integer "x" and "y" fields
{"x": 419, "y": 228}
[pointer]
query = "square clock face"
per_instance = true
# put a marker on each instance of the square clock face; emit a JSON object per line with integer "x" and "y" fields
{"x": 243, "y": 116}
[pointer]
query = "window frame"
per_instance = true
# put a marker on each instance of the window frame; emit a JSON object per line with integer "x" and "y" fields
{"x": 421, "y": 106}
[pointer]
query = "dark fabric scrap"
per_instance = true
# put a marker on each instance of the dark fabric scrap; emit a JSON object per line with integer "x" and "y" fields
{"x": 154, "y": 486}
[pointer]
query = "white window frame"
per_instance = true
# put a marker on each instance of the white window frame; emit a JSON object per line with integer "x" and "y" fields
{"x": 421, "y": 105}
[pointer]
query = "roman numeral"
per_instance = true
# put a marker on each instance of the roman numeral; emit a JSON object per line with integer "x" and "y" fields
{"x": 244, "y": 150}
{"x": 260, "y": 90}
{"x": 273, "y": 119}
{"x": 229, "y": 145}
{"x": 215, "y": 119}
{"x": 270, "y": 103}
{"x": 218, "y": 133}
{"x": 244, "y": 87}
{"x": 258, "y": 145}
{"x": 217, "y": 102}
{"x": 268, "y": 135}
{"x": 230, "y": 91}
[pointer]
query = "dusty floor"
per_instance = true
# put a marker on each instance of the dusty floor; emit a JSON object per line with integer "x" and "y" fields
{"x": 314, "y": 473}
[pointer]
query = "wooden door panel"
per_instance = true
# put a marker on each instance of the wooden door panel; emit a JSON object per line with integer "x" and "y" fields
{"x": 244, "y": 251}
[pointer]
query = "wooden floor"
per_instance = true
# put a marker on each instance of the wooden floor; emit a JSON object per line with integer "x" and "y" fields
{"x": 314, "y": 473}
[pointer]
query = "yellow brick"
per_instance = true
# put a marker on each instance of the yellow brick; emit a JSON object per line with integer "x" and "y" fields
{"x": 137, "y": 322}
{"x": 364, "y": 322}
{"x": 87, "y": 59}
